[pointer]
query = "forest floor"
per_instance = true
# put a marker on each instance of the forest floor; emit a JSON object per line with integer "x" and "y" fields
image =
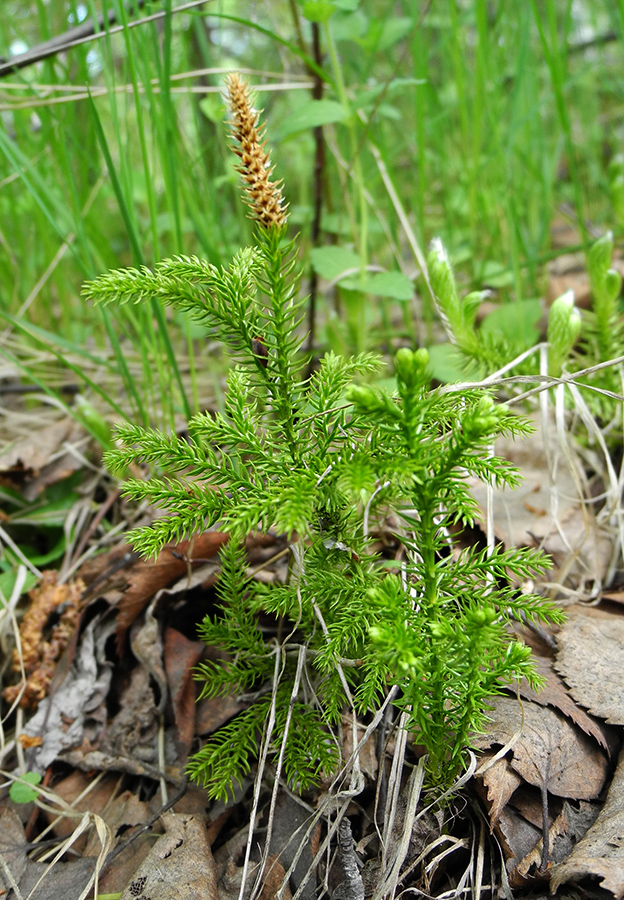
{"x": 101, "y": 702}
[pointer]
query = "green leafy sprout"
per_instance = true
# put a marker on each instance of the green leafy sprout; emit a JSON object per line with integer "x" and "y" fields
{"x": 575, "y": 343}
{"x": 331, "y": 463}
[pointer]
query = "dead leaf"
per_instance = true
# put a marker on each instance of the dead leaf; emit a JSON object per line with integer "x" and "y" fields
{"x": 517, "y": 836}
{"x": 290, "y": 831}
{"x": 89, "y": 760}
{"x": 12, "y": 845}
{"x": 179, "y": 864}
{"x": 150, "y": 576}
{"x": 549, "y": 753}
{"x": 274, "y": 880}
{"x": 26, "y": 457}
{"x": 532, "y": 861}
{"x": 36, "y": 880}
{"x": 60, "y": 717}
{"x": 180, "y": 657}
{"x": 132, "y": 732}
{"x": 499, "y": 781}
{"x": 555, "y": 694}
{"x": 118, "y": 810}
{"x": 600, "y": 853}
{"x": 147, "y": 647}
{"x": 591, "y": 659}
{"x": 213, "y": 712}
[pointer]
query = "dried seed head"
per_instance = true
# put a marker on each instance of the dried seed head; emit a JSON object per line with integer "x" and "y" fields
{"x": 264, "y": 196}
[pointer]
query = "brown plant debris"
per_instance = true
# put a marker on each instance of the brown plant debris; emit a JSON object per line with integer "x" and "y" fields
{"x": 264, "y": 196}
{"x": 590, "y": 656}
{"x": 45, "y": 631}
{"x": 600, "y": 852}
{"x": 547, "y": 750}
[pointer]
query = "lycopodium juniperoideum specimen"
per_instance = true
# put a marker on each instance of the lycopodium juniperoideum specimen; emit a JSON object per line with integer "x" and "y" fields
{"x": 329, "y": 463}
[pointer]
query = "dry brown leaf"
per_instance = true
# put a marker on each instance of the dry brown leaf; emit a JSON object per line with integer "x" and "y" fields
{"x": 213, "y": 712}
{"x": 180, "y": 658}
{"x": 147, "y": 648}
{"x": 26, "y": 457}
{"x": 555, "y": 694}
{"x": 522, "y": 874}
{"x": 132, "y": 732}
{"x": 179, "y": 864}
{"x": 290, "y": 830}
{"x": 274, "y": 881}
{"x": 64, "y": 879}
{"x": 36, "y": 461}
{"x": 549, "y": 753}
{"x": 517, "y": 836}
{"x": 119, "y": 811}
{"x": 76, "y": 703}
{"x": 150, "y": 576}
{"x": 591, "y": 659}
{"x": 499, "y": 781}
{"x": 600, "y": 853}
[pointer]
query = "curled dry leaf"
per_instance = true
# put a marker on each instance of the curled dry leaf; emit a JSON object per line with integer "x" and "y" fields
{"x": 150, "y": 576}
{"x": 60, "y": 718}
{"x": 27, "y": 456}
{"x": 591, "y": 660}
{"x": 548, "y": 752}
{"x": 499, "y": 781}
{"x": 180, "y": 658}
{"x": 600, "y": 853}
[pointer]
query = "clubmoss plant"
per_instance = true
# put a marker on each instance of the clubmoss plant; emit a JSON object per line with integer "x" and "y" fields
{"x": 330, "y": 463}
{"x": 574, "y": 343}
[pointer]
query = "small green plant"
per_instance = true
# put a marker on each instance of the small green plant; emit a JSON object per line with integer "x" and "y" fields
{"x": 329, "y": 463}
{"x": 21, "y": 792}
{"x": 574, "y": 343}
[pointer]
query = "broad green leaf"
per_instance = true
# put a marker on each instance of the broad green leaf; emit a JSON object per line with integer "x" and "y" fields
{"x": 515, "y": 321}
{"x": 49, "y": 513}
{"x": 43, "y": 559}
{"x": 394, "y": 285}
{"x": 494, "y": 274}
{"x": 446, "y": 364}
{"x": 311, "y": 115}
{"x": 383, "y": 34}
{"x": 20, "y": 792}
{"x": 7, "y": 583}
{"x": 332, "y": 262}
{"x": 318, "y": 10}
{"x": 350, "y": 26}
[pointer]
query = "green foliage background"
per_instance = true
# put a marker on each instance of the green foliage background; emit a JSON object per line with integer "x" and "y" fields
{"x": 478, "y": 122}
